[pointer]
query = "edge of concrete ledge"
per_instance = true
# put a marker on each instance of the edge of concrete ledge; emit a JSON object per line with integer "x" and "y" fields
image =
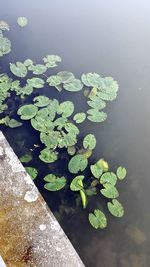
{"x": 29, "y": 233}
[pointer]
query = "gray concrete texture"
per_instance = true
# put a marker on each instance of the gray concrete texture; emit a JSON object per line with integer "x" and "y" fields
{"x": 29, "y": 233}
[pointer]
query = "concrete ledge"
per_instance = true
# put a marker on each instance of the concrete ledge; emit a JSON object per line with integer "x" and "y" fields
{"x": 29, "y": 233}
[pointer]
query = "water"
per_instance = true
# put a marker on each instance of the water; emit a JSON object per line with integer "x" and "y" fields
{"x": 111, "y": 38}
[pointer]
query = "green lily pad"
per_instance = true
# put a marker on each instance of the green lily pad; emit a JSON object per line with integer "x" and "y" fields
{"x": 22, "y": 21}
{"x": 76, "y": 184}
{"x": 37, "y": 69}
{"x": 36, "y": 82}
{"x": 18, "y": 69}
{"x": 25, "y": 158}
{"x": 48, "y": 155}
{"x": 73, "y": 86}
{"x": 32, "y": 172}
{"x": 28, "y": 62}
{"x": 121, "y": 173}
{"x": 51, "y": 61}
{"x": 65, "y": 76}
{"x": 89, "y": 141}
{"x": 5, "y": 46}
{"x": 54, "y": 80}
{"x": 109, "y": 178}
{"x": 50, "y": 139}
{"x": 79, "y": 117}
{"x": 66, "y": 108}
{"x": 71, "y": 129}
{"x": 41, "y": 101}
{"x": 77, "y": 163}
{"x": 54, "y": 183}
{"x": 98, "y": 219}
{"x": 115, "y": 208}
{"x": 109, "y": 191}
{"x": 96, "y": 103}
{"x": 96, "y": 116}
{"x": 96, "y": 170}
{"x": 27, "y": 112}
{"x": 103, "y": 165}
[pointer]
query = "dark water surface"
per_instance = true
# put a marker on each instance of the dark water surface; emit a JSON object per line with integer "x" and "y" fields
{"x": 110, "y": 38}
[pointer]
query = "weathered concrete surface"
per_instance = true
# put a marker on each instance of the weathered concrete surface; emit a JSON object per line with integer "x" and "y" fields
{"x": 29, "y": 233}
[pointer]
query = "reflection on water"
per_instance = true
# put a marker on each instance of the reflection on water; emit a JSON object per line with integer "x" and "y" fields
{"x": 111, "y": 38}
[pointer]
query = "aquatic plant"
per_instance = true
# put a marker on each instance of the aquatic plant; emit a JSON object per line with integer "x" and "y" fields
{"x": 22, "y": 21}
{"x": 58, "y": 125}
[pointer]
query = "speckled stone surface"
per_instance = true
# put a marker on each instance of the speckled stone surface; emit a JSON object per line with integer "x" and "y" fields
{"x": 29, "y": 233}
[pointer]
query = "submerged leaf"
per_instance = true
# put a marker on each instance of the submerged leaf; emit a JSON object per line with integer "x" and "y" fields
{"x": 115, "y": 208}
{"x": 14, "y": 123}
{"x": 98, "y": 219}
{"x": 25, "y": 158}
{"x": 71, "y": 150}
{"x": 89, "y": 141}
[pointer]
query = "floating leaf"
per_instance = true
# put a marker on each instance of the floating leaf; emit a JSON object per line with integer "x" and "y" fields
{"x": 83, "y": 198}
{"x": 22, "y": 21}
{"x": 37, "y": 69}
{"x": 107, "y": 96}
{"x": 32, "y": 172}
{"x": 5, "y": 46}
{"x": 98, "y": 219}
{"x": 76, "y": 184}
{"x": 103, "y": 165}
{"x": 121, "y": 173}
{"x": 13, "y": 123}
{"x": 54, "y": 80}
{"x": 73, "y": 86}
{"x": 71, "y": 150}
{"x": 51, "y": 61}
{"x": 91, "y": 79}
{"x": 50, "y": 139}
{"x": 66, "y": 108}
{"x": 54, "y": 183}
{"x": 65, "y": 76}
{"x": 28, "y": 62}
{"x": 41, "y": 101}
{"x": 42, "y": 124}
{"x": 77, "y": 163}
{"x": 79, "y": 117}
{"x": 96, "y": 170}
{"x": 27, "y": 111}
{"x": 48, "y": 155}
{"x": 109, "y": 178}
{"x": 109, "y": 191}
{"x": 36, "y": 82}
{"x": 18, "y": 69}
{"x": 97, "y": 103}
{"x": 25, "y": 158}
{"x": 115, "y": 208}
{"x": 89, "y": 141}
{"x": 96, "y": 116}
